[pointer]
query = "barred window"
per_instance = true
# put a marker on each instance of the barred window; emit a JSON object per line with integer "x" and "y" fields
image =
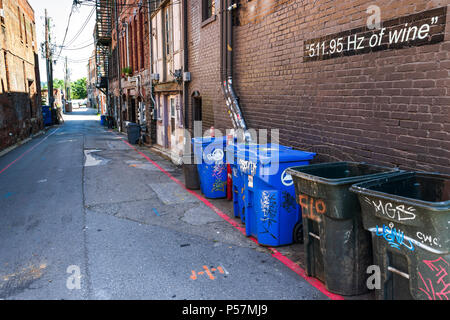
{"x": 209, "y": 8}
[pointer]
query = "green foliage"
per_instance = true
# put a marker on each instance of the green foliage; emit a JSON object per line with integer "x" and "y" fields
{"x": 127, "y": 71}
{"x": 58, "y": 84}
{"x": 79, "y": 89}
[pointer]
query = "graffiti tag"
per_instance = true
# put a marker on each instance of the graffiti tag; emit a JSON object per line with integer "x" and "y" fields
{"x": 288, "y": 203}
{"x": 395, "y": 237}
{"x": 312, "y": 208}
{"x": 269, "y": 210}
{"x": 424, "y": 238}
{"x": 400, "y": 212}
{"x": 219, "y": 186}
{"x": 438, "y": 286}
{"x": 248, "y": 167}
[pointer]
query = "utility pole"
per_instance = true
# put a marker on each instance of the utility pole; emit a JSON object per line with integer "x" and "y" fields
{"x": 66, "y": 82}
{"x": 49, "y": 61}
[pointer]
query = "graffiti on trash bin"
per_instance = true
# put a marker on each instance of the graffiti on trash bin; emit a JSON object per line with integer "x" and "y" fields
{"x": 438, "y": 285}
{"x": 247, "y": 167}
{"x": 399, "y": 212}
{"x": 269, "y": 211}
{"x": 288, "y": 203}
{"x": 428, "y": 239}
{"x": 218, "y": 171}
{"x": 312, "y": 208}
{"x": 217, "y": 174}
{"x": 219, "y": 186}
{"x": 395, "y": 237}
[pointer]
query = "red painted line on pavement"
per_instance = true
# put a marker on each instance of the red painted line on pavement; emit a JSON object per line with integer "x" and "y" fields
{"x": 275, "y": 253}
{"x": 29, "y": 150}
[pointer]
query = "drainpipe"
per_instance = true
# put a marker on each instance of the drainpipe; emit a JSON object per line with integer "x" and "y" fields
{"x": 150, "y": 42}
{"x": 227, "y": 50}
{"x": 128, "y": 45}
{"x": 185, "y": 63}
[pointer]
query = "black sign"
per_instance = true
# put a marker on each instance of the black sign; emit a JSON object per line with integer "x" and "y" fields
{"x": 414, "y": 30}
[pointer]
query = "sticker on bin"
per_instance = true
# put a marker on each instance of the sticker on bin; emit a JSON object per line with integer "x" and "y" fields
{"x": 248, "y": 167}
{"x": 216, "y": 155}
{"x": 286, "y": 179}
{"x": 250, "y": 181}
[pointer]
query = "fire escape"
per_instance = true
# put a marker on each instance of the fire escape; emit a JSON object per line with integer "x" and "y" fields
{"x": 102, "y": 39}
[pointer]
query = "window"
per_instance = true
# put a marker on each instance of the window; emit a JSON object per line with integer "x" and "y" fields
{"x": 208, "y": 8}
{"x": 130, "y": 47}
{"x": 168, "y": 30}
{"x": 2, "y": 18}
{"x": 8, "y": 88}
{"x": 136, "y": 46}
{"x": 20, "y": 24}
{"x": 197, "y": 106}
{"x": 141, "y": 40}
{"x": 25, "y": 28}
{"x": 172, "y": 115}
{"x": 32, "y": 34}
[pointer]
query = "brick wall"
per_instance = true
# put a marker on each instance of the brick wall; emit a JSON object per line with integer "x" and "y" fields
{"x": 204, "y": 65}
{"x": 388, "y": 107}
{"x": 20, "y": 112}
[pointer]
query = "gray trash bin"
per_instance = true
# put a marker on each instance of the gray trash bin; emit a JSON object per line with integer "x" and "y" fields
{"x": 133, "y": 132}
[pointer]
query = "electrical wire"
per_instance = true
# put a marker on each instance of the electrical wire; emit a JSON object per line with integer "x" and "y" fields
{"x": 82, "y": 28}
{"x": 67, "y": 29}
{"x": 80, "y": 48}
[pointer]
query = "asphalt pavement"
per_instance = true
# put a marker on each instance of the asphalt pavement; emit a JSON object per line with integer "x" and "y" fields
{"x": 85, "y": 216}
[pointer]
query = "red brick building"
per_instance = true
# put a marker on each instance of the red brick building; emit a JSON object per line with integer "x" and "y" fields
{"x": 371, "y": 100}
{"x": 20, "y": 97}
{"x": 130, "y": 38}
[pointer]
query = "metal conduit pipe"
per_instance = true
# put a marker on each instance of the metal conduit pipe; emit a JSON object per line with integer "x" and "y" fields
{"x": 230, "y": 96}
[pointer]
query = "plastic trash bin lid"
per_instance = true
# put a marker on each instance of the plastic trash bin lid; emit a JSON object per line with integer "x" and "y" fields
{"x": 276, "y": 153}
{"x": 425, "y": 189}
{"x": 209, "y": 140}
{"x": 341, "y": 173}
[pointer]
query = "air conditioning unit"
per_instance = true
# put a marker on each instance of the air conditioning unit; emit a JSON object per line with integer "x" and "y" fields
{"x": 186, "y": 76}
{"x": 155, "y": 76}
{"x": 2, "y": 13}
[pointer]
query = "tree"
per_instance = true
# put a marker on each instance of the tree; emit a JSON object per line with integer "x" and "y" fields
{"x": 79, "y": 89}
{"x": 58, "y": 84}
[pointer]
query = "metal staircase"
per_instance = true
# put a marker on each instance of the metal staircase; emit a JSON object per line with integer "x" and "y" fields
{"x": 102, "y": 39}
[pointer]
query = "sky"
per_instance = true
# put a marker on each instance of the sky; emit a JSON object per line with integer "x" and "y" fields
{"x": 59, "y": 11}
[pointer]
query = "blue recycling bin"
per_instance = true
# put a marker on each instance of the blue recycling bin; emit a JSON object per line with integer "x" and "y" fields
{"x": 233, "y": 149}
{"x": 244, "y": 149}
{"x": 103, "y": 120}
{"x": 47, "y": 115}
{"x": 209, "y": 154}
{"x": 272, "y": 214}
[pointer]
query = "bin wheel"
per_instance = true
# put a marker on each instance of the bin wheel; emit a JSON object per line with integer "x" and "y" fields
{"x": 298, "y": 233}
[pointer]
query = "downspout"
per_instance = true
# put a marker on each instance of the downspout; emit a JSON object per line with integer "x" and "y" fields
{"x": 128, "y": 45}
{"x": 230, "y": 94}
{"x": 150, "y": 43}
{"x": 185, "y": 64}
{"x": 223, "y": 60}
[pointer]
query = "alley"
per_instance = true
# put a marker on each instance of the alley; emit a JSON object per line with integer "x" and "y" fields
{"x": 80, "y": 198}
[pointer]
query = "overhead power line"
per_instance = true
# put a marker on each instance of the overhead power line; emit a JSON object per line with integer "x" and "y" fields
{"x": 67, "y": 29}
{"x": 82, "y": 28}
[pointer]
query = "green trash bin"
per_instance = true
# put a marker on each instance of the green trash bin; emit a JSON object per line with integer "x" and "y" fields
{"x": 337, "y": 248}
{"x": 408, "y": 216}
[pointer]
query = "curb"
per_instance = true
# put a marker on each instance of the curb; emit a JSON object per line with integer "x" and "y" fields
{"x": 22, "y": 142}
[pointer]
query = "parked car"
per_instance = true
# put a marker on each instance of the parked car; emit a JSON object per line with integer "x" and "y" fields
{"x": 75, "y": 104}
